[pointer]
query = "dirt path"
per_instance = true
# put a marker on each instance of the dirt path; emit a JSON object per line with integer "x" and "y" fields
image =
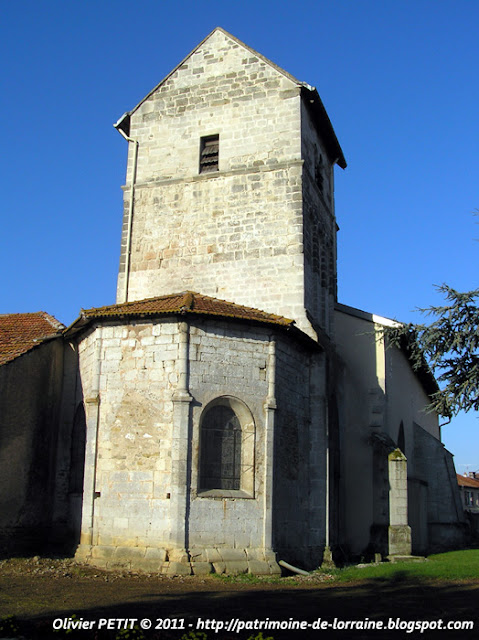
{"x": 39, "y": 592}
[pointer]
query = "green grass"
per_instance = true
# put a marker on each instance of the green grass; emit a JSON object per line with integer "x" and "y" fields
{"x": 454, "y": 565}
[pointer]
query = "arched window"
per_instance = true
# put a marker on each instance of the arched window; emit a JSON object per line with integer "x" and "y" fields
{"x": 220, "y": 449}
{"x": 226, "y": 447}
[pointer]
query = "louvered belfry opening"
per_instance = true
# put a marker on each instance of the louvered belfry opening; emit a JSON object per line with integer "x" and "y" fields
{"x": 209, "y": 153}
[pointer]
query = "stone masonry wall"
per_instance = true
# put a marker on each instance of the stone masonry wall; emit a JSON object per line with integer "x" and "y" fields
{"x": 228, "y": 361}
{"x": 30, "y": 395}
{"x": 445, "y": 517}
{"x": 134, "y": 488}
{"x": 138, "y": 372}
{"x": 235, "y": 233}
{"x": 299, "y": 486}
{"x": 319, "y": 226}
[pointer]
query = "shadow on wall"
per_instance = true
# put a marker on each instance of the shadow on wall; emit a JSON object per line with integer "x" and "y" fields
{"x": 29, "y": 426}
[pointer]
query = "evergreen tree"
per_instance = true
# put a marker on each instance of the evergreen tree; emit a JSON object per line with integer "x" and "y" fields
{"x": 449, "y": 344}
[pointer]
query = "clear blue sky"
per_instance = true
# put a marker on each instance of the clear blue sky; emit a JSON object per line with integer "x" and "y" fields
{"x": 399, "y": 79}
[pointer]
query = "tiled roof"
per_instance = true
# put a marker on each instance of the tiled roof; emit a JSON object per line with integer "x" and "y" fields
{"x": 466, "y": 481}
{"x": 20, "y": 332}
{"x": 183, "y": 303}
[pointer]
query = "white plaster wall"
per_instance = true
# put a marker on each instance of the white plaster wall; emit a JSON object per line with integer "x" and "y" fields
{"x": 407, "y": 400}
{"x": 380, "y": 390}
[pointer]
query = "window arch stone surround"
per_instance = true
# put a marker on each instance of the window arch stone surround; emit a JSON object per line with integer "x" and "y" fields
{"x": 236, "y": 417}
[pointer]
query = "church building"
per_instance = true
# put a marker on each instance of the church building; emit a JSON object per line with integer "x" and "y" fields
{"x": 227, "y": 412}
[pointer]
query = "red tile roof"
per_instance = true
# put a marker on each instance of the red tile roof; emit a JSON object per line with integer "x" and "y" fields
{"x": 466, "y": 481}
{"x": 187, "y": 302}
{"x": 20, "y": 332}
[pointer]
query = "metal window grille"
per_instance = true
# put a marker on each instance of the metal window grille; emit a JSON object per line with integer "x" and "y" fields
{"x": 220, "y": 456}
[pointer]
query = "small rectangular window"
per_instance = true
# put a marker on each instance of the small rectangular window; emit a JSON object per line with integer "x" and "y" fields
{"x": 209, "y": 153}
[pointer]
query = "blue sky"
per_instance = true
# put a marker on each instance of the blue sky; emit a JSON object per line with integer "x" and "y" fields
{"x": 399, "y": 80}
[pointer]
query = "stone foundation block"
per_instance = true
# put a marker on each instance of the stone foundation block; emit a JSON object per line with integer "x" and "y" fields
{"x": 129, "y": 553}
{"x": 178, "y": 555}
{"x": 259, "y": 567}
{"x": 101, "y": 563}
{"x": 235, "y": 567}
{"x": 83, "y": 552}
{"x": 212, "y": 555}
{"x": 219, "y": 567}
{"x": 198, "y": 555}
{"x": 201, "y": 568}
{"x": 152, "y": 553}
{"x": 176, "y": 569}
{"x": 395, "y": 559}
{"x": 124, "y": 565}
{"x": 232, "y": 555}
{"x": 103, "y": 552}
{"x": 399, "y": 540}
{"x": 148, "y": 565}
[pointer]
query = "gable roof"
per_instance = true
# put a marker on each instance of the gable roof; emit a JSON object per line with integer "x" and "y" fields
{"x": 467, "y": 481}
{"x": 21, "y": 332}
{"x": 313, "y": 101}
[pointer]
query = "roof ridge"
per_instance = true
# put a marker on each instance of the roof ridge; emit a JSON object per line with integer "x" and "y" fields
{"x": 186, "y": 302}
{"x": 246, "y": 308}
{"x": 56, "y": 324}
{"x": 129, "y": 303}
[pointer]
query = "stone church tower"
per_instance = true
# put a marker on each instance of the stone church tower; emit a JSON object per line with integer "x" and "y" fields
{"x": 206, "y": 387}
{"x": 230, "y": 187}
{"x": 227, "y": 412}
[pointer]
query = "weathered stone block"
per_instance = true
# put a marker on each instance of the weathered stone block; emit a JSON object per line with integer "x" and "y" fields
{"x": 198, "y": 555}
{"x": 258, "y": 567}
{"x": 178, "y": 555}
{"x": 219, "y": 567}
{"x": 129, "y": 553}
{"x": 236, "y": 567}
{"x": 177, "y": 569}
{"x": 103, "y": 552}
{"x": 153, "y": 553}
{"x": 201, "y": 568}
{"x": 399, "y": 540}
{"x": 213, "y": 555}
{"x": 232, "y": 555}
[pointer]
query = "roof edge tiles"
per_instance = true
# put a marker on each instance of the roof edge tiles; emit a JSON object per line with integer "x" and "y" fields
{"x": 22, "y": 332}
{"x": 467, "y": 481}
{"x": 182, "y": 303}
{"x": 186, "y": 303}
